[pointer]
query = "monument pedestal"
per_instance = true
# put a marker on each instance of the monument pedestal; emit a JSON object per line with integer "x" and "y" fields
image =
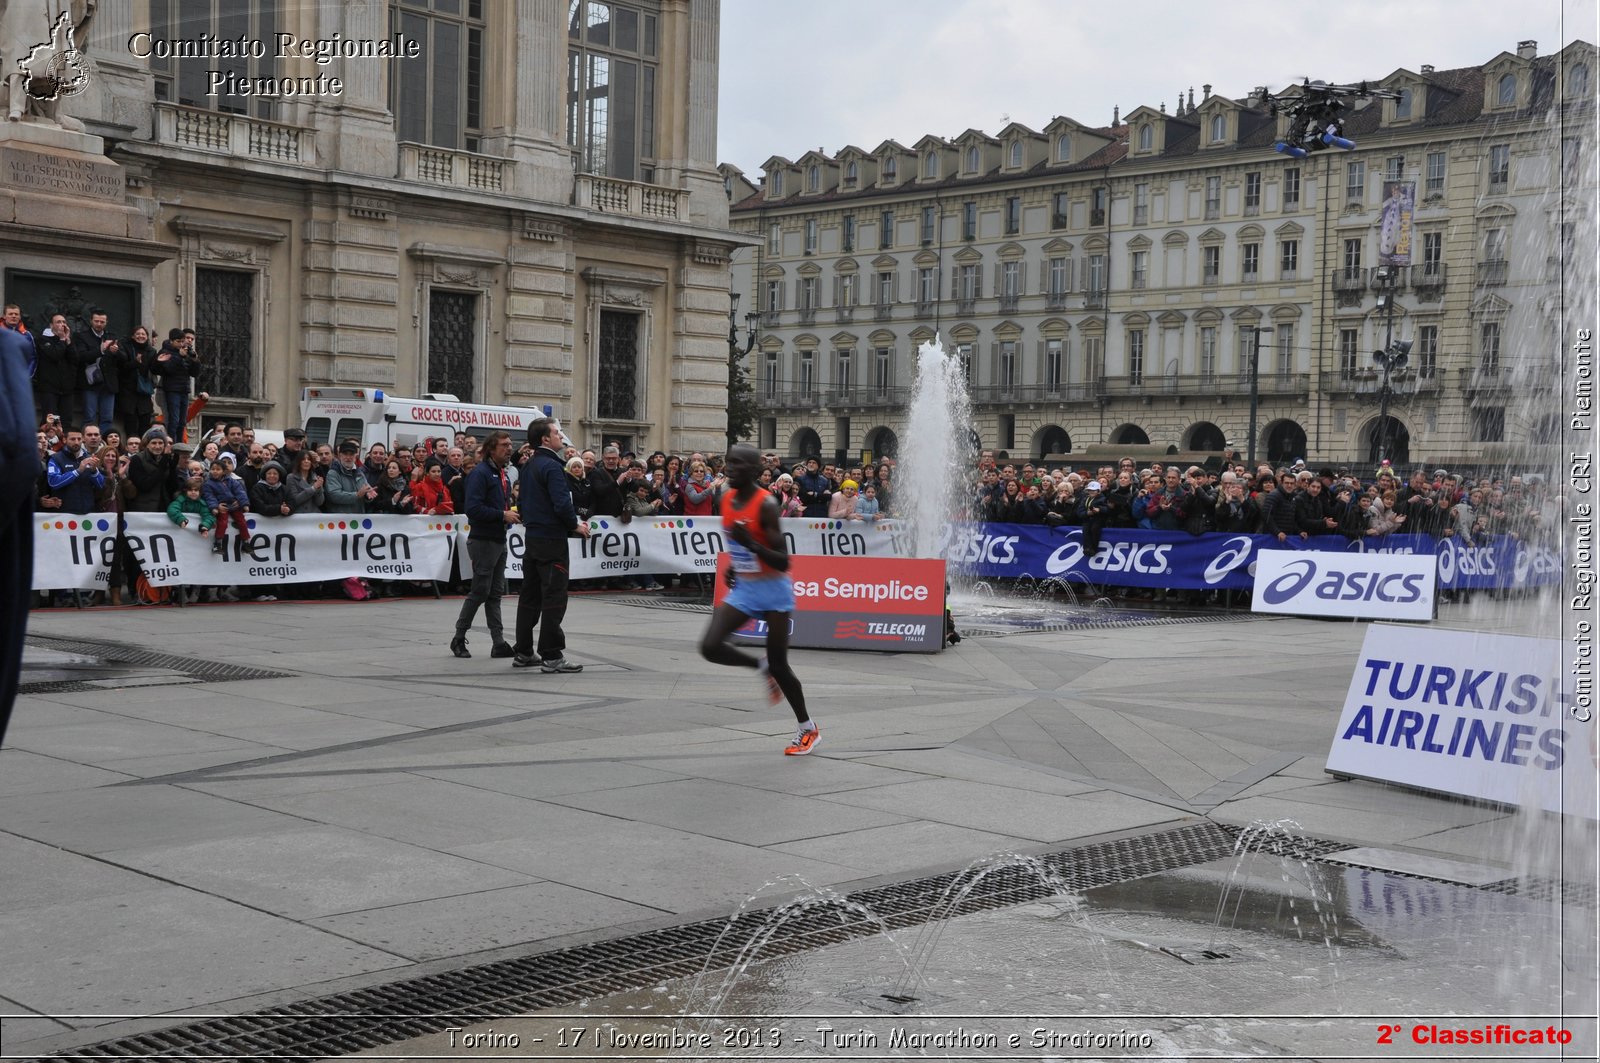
{"x": 58, "y": 180}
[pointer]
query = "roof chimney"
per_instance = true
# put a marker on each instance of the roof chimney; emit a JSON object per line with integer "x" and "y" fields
{"x": 1427, "y": 68}
{"x": 1207, "y": 95}
{"x": 1528, "y": 49}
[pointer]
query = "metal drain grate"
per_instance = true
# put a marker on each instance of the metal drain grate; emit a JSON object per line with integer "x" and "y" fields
{"x": 191, "y": 669}
{"x": 369, "y": 1018}
{"x": 1092, "y": 623}
{"x": 656, "y": 601}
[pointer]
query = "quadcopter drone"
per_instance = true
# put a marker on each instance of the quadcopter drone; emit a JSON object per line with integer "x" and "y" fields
{"x": 1317, "y": 112}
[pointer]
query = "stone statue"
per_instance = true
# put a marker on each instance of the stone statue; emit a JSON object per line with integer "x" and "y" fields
{"x": 41, "y": 55}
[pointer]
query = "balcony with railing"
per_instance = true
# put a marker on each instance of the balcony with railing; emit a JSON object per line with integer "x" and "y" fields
{"x": 1378, "y": 277}
{"x": 966, "y": 307}
{"x": 463, "y": 170}
{"x": 1094, "y": 299}
{"x": 1055, "y": 300}
{"x": 1366, "y": 382}
{"x": 1485, "y": 379}
{"x": 611, "y": 195}
{"x": 882, "y": 311}
{"x": 1493, "y": 272}
{"x": 870, "y": 396}
{"x": 808, "y": 315}
{"x": 1428, "y": 279}
{"x": 925, "y": 309}
{"x": 1008, "y": 303}
{"x": 789, "y": 398}
{"x": 844, "y": 314}
{"x": 236, "y": 135}
{"x": 770, "y": 318}
{"x": 1062, "y": 393}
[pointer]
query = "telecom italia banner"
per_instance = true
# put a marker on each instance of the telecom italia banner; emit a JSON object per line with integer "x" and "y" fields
{"x": 75, "y": 552}
{"x": 1134, "y": 557}
{"x": 1457, "y": 712}
{"x": 648, "y": 546}
{"x": 1391, "y": 586}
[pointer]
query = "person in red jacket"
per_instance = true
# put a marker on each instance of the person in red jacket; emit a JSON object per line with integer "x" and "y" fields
{"x": 431, "y": 495}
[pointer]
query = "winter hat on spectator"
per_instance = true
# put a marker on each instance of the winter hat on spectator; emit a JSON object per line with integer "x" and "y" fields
{"x": 228, "y": 458}
{"x": 1439, "y": 474}
{"x": 349, "y": 446}
{"x": 1092, "y": 485}
{"x": 156, "y": 432}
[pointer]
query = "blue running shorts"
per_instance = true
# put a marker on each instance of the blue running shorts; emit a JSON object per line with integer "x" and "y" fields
{"x": 758, "y": 597}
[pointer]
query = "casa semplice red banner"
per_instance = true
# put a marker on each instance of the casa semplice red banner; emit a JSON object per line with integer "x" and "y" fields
{"x": 859, "y": 603}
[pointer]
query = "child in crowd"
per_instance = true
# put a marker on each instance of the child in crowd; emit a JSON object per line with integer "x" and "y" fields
{"x": 189, "y": 505}
{"x": 225, "y": 496}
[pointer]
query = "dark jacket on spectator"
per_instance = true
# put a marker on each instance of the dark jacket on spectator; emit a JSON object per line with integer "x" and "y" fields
{"x": 605, "y": 498}
{"x": 342, "y": 489}
{"x": 1277, "y": 513}
{"x": 86, "y": 352}
{"x": 156, "y": 481}
{"x": 57, "y": 373}
{"x": 814, "y": 493}
{"x": 226, "y": 492}
{"x": 1241, "y": 516}
{"x": 545, "y": 500}
{"x": 77, "y": 490}
{"x": 1309, "y": 515}
{"x": 486, "y": 503}
{"x": 305, "y": 496}
{"x": 174, "y": 370}
{"x": 268, "y": 500}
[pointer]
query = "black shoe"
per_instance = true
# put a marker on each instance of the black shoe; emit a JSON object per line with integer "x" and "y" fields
{"x": 559, "y": 664}
{"x": 458, "y": 646}
{"x": 219, "y": 547}
{"x": 501, "y": 649}
{"x": 523, "y": 660}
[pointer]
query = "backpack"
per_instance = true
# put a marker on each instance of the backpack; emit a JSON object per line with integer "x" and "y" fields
{"x": 356, "y": 589}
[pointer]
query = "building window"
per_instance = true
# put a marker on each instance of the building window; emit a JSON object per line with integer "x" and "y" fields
{"x": 1094, "y": 352}
{"x": 1006, "y": 368}
{"x": 1250, "y": 257}
{"x": 1289, "y": 260}
{"x": 224, "y": 315}
{"x": 1435, "y": 179}
{"x": 808, "y": 293}
{"x": 927, "y": 226}
{"x": 1489, "y": 348}
{"x": 886, "y": 170}
{"x": 851, "y": 173}
{"x": 1506, "y": 92}
{"x": 1427, "y": 350}
{"x": 1291, "y": 188}
{"x": 972, "y": 159}
{"x": 1499, "y": 167}
{"x": 927, "y": 285}
{"x": 1213, "y": 198}
{"x": 969, "y": 220}
{"x": 1394, "y": 167}
{"x": 848, "y": 237}
{"x": 1352, "y": 259}
{"x": 1211, "y": 264}
{"x": 1489, "y": 424}
{"x": 1244, "y": 349}
{"x": 1016, "y": 154}
{"x": 808, "y": 373}
{"x": 1252, "y": 192}
{"x": 1136, "y": 356}
{"x": 1402, "y": 106}
{"x": 1285, "y": 337}
{"x": 1141, "y": 203}
{"x": 885, "y": 289}
{"x": 1013, "y": 215}
{"x": 813, "y": 178}
{"x": 842, "y": 376}
{"x": 930, "y": 165}
{"x": 1146, "y": 137}
{"x": 1063, "y": 148}
{"x": 775, "y": 180}
{"x": 882, "y": 369}
{"x": 967, "y": 288}
{"x": 1052, "y": 365}
{"x": 1432, "y": 253}
{"x": 1058, "y": 210}
{"x": 811, "y": 236}
{"x": 1578, "y": 82}
{"x": 1011, "y": 280}
{"x": 1060, "y": 277}
{"x": 185, "y": 80}
{"x": 1219, "y": 128}
{"x": 1355, "y": 182}
{"x": 847, "y": 290}
{"x": 1139, "y": 269}
{"x": 769, "y": 374}
{"x": 964, "y": 353}
{"x": 611, "y": 86}
{"x": 1494, "y": 245}
{"x": 774, "y": 296}
{"x": 774, "y": 239}
{"x": 453, "y": 347}
{"x": 1096, "y": 279}
{"x": 1349, "y": 352}
{"x": 885, "y": 230}
{"x": 1208, "y": 350}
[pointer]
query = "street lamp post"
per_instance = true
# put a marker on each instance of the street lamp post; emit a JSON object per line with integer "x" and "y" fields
{"x": 1255, "y": 390}
{"x": 1392, "y": 357}
{"x": 736, "y": 355}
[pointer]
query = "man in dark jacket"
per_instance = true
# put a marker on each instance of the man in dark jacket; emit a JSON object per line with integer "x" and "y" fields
{"x": 55, "y": 385}
{"x": 1310, "y": 514}
{"x": 489, "y": 512}
{"x": 174, "y": 370}
{"x": 99, "y": 359}
{"x": 816, "y": 491}
{"x": 548, "y": 519}
{"x": 75, "y": 475}
{"x": 1277, "y": 510}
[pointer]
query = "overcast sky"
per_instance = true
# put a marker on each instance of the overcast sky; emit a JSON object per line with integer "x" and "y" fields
{"x": 826, "y": 73}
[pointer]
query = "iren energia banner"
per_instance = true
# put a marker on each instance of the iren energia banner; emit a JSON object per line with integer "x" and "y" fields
{"x": 75, "y": 552}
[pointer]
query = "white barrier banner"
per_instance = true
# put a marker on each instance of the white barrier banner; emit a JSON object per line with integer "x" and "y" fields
{"x": 300, "y": 549}
{"x": 649, "y": 546}
{"x": 1317, "y": 583}
{"x": 72, "y": 552}
{"x": 1460, "y": 712}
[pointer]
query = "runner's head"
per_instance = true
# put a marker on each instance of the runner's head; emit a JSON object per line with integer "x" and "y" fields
{"x": 742, "y": 466}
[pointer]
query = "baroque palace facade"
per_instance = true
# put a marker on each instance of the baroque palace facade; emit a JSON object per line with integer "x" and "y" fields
{"x": 1112, "y": 285}
{"x": 522, "y": 208}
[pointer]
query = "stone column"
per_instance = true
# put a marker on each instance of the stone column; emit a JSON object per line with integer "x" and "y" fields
{"x": 525, "y": 84}
{"x": 355, "y": 131}
{"x": 540, "y": 293}
{"x": 699, "y": 398}
{"x": 350, "y": 327}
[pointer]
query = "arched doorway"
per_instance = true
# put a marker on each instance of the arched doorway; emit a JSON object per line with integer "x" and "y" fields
{"x": 883, "y": 443}
{"x": 805, "y": 443}
{"x": 1387, "y": 439}
{"x": 1206, "y": 436}
{"x": 1286, "y": 441}
{"x": 1130, "y": 435}
{"x": 1051, "y": 439}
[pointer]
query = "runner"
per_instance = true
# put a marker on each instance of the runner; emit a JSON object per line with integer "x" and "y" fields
{"x": 758, "y": 587}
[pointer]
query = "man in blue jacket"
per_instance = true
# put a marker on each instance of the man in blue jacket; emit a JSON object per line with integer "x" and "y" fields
{"x": 548, "y": 519}
{"x": 19, "y": 469}
{"x": 489, "y": 513}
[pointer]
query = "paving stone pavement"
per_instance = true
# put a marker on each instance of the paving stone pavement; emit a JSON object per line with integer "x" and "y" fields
{"x": 385, "y": 809}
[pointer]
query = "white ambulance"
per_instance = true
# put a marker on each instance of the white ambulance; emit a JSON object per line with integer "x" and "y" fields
{"x": 368, "y": 414}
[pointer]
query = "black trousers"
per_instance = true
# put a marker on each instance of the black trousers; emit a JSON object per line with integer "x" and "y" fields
{"x": 543, "y": 598}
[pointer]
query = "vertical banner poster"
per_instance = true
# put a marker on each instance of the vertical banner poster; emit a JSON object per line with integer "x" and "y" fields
{"x": 1394, "y": 223}
{"x": 853, "y": 603}
{"x": 1474, "y": 714}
